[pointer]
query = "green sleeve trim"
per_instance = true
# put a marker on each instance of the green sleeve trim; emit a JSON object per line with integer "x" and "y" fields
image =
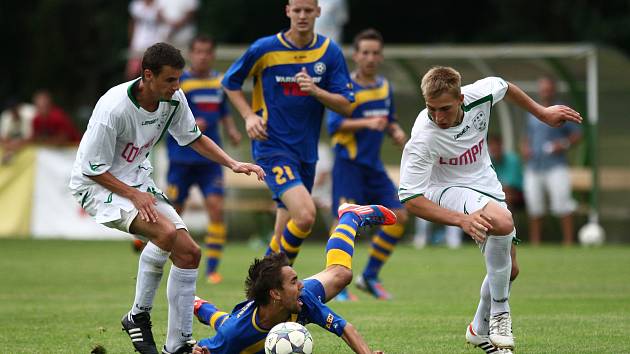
{"x": 411, "y": 197}
{"x": 195, "y": 139}
{"x": 473, "y": 104}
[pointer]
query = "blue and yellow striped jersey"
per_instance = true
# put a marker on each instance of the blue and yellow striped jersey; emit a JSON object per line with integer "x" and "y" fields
{"x": 293, "y": 117}
{"x": 363, "y": 146}
{"x": 241, "y": 333}
{"x": 206, "y": 101}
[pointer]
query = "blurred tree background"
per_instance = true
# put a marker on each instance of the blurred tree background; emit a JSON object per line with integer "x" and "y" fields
{"x": 76, "y": 48}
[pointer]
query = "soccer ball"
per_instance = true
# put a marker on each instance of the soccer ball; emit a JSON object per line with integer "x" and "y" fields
{"x": 288, "y": 338}
{"x": 591, "y": 234}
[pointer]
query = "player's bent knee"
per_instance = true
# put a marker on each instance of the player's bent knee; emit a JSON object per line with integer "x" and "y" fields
{"x": 305, "y": 219}
{"x": 341, "y": 275}
{"x": 503, "y": 224}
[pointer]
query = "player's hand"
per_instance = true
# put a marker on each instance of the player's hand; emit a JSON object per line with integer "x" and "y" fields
{"x": 201, "y": 124}
{"x": 200, "y": 350}
{"x": 377, "y": 123}
{"x": 398, "y": 136}
{"x": 555, "y": 116}
{"x": 256, "y": 127}
{"x": 235, "y": 136}
{"x": 145, "y": 203}
{"x": 248, "y": 168}
{"x": 306, "y": 83}
{"x": 477, "y": 225}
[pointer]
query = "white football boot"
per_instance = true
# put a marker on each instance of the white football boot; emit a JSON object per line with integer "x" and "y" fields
{"x": 501, "y": 331}
{"x": 480, "y": 341}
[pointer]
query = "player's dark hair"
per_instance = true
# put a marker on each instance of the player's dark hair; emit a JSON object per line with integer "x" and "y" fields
{"x": 160, "y": 55}
{"x": 203, "y": 38}
{"x": 368, "y": 34}
{"x": 265, "y": 274}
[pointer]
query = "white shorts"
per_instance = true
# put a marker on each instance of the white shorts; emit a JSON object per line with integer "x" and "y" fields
{"x": 116, "y": 212}
{"x": 462, "y": 199}
{"x": 556, "y": 183}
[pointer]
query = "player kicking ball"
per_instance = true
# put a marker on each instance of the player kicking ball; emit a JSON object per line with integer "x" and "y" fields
{"x": 446, "y": 176}
{"x": 276, "y": 295}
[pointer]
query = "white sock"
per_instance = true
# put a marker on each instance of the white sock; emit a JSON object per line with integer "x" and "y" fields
{"x": 480, "y": 322}
{"x": 150, "y": 269}
{"x": 180, "y": 292}
{"x": 498, "y": 267}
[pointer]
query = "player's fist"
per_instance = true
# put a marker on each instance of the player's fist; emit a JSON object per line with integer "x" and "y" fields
{"x": 256, "y": 127}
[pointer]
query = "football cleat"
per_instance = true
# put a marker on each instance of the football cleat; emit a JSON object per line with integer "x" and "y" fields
{"x": 372, "y": 286}
{"x": 369, "y": 214}
{"x": 214, "y": 278}
{"x": 346, "y": 296}
{"x": 138, "y": 327}
{"x": 501, "y": 331}
{"x": 186, "y": 348}
{"x": 480, "y": 341}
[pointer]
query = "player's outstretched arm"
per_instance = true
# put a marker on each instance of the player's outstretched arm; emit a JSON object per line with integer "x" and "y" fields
{"x": 254, "y": 124}
{"x": 210, "y": 150}
{"x": 554, "y": 116}
{"x": 354, "y": 340}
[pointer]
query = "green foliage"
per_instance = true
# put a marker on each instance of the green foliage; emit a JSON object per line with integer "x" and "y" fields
{"x": 68, "y": 297}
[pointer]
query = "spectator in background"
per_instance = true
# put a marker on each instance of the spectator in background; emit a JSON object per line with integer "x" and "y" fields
{"x": 452, "y": 235}
{"x": 547, "y": 169}
{"x": 16, "y": 128}
{"x": 507, "y": 165}
{"x": 143, "y": 33}
{"x": 334, "y": 14}
{"x": 51, "y": 125}
{"x": 178, "y": 27}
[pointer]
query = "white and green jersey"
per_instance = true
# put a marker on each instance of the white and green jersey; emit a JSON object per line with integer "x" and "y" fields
{"x": 436, "y": 158}
{"x": 121, "y": 134}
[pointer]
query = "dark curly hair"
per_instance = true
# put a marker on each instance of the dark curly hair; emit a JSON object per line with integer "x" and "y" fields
{"x": 265, "y": 274}
{"x": 160, "y": 55}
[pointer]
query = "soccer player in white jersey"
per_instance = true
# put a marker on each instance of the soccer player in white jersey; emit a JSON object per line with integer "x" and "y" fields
{"x": 447, "y": 177}
{"x": 111, "y": 179}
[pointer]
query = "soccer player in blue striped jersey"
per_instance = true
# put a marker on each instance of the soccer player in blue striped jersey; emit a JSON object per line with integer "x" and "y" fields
{"x": 275, "y": 294}
{"x": 296, "y": 74}
{"x": 202, "y": 86}
{"x": 359, "y": 175}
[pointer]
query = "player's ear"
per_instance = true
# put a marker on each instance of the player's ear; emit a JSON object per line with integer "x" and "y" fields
{"x": 461, "y": 98}
{"x": 147, "y": 74}
{"x": 274, "y": 295}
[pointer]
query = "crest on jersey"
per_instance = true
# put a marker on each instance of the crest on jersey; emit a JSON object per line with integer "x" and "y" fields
{"x": 319, "y": 68}
{"x": 480, "y": 122}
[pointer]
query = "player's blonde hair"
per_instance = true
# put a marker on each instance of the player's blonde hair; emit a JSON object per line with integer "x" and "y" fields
{"x": 439, "y": 80}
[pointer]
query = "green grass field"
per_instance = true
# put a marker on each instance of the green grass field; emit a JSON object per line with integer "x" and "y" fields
{"x": 68, "y": 296}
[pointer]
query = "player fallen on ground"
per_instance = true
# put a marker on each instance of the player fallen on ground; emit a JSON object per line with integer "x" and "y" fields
{"x": 276, "y": 295}
{"x": 447, "y": 177}
{"x": 111, "y": 180}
